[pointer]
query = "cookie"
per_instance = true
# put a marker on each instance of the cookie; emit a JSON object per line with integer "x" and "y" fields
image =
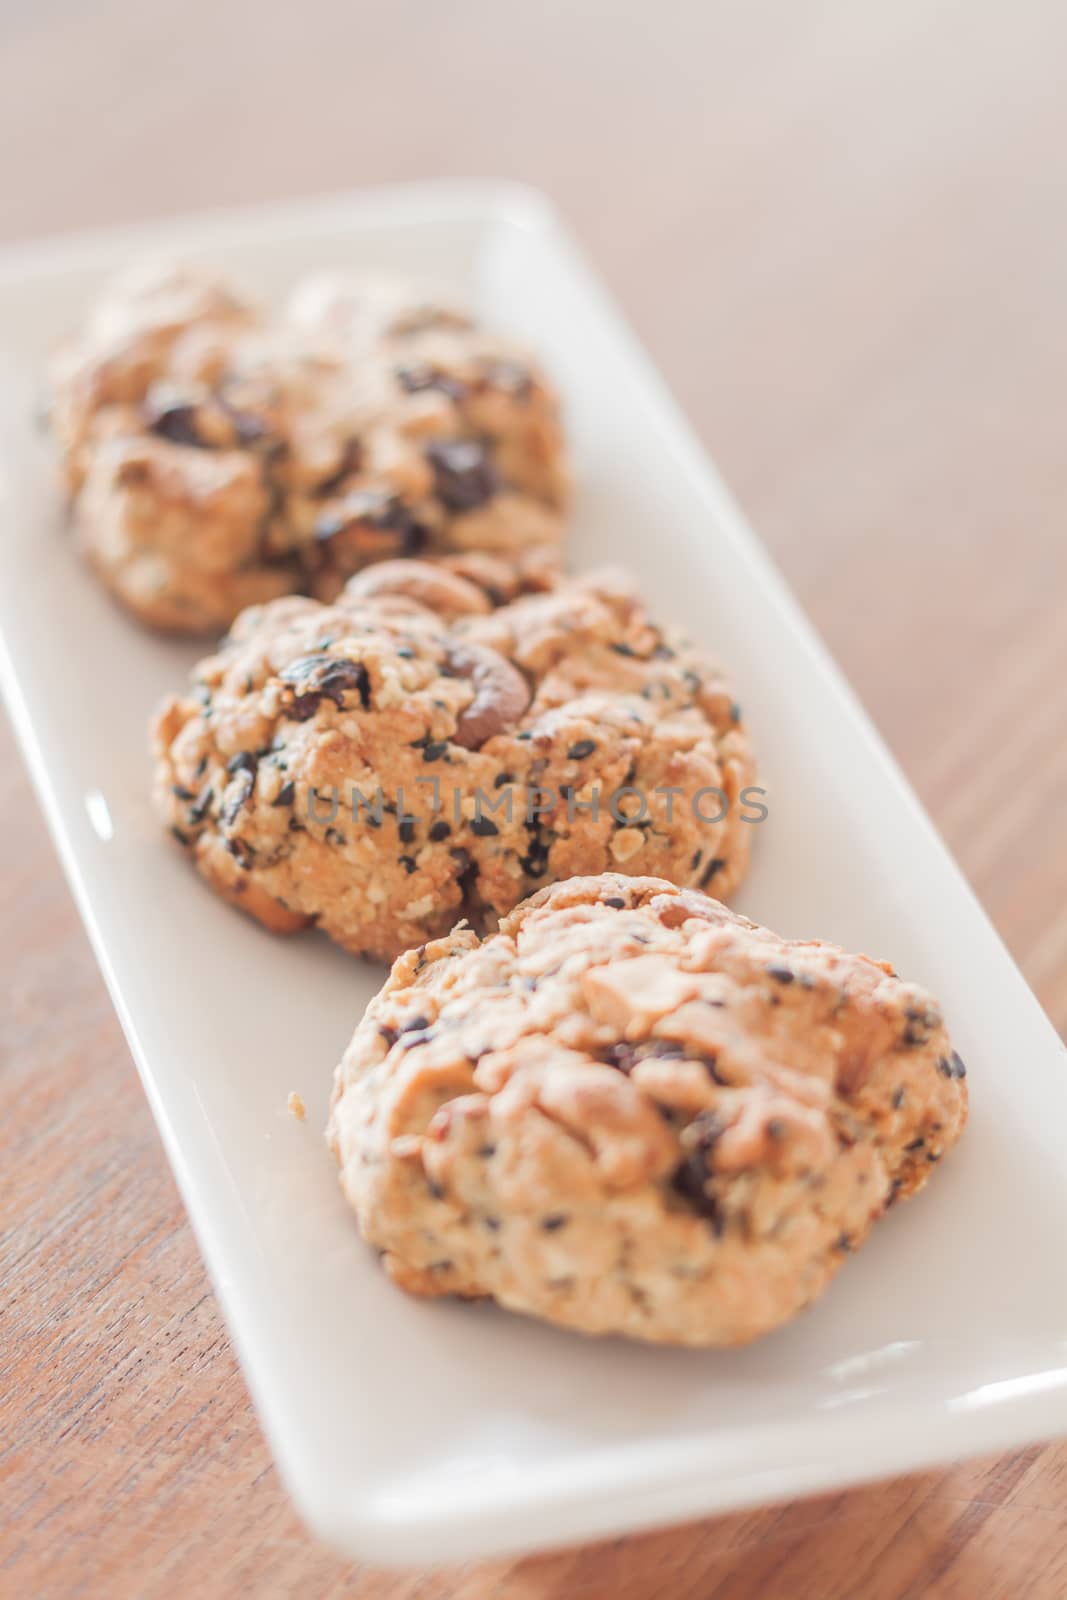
{"x": 218, "y": 457}
{"x": 418, "y": 752}
{"x": 633, "y": 1111}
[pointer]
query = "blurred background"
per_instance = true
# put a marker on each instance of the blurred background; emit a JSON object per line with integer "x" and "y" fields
{"x": 840, "y": 226}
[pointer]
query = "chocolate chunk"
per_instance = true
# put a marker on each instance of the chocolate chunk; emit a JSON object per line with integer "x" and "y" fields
{"x": 318, "y": 677}
{"x": 464, "y": 476}
{"x": 176, "y": 422}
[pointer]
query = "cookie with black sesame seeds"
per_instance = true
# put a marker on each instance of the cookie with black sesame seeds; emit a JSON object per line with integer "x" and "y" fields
{"x": 632, "y": 1111}
{"x": 217, "y": 456}
{"x": 413, "y": 754}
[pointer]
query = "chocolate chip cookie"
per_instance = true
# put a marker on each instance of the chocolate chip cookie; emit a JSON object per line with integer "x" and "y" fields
{"x": 218, "y": 456}
{"x": 632, "y": 1111}
{"x": 417, "y": 752}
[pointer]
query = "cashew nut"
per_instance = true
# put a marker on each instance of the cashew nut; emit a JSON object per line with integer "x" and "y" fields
{"x": 501, "y": 693}
{"x": 427, "y": 585}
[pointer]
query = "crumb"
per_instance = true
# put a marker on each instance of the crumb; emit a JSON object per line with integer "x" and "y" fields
{"x": 295, "y": 1106}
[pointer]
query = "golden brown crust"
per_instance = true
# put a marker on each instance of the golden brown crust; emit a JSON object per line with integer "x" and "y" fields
{"x": 633, "y": 1111}
{"x": 383, "y": 769}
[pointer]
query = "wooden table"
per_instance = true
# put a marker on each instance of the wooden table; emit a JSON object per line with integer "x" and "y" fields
{"x": 842, "y": 229}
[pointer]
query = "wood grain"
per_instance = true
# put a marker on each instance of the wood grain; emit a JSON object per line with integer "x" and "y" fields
{"x": 841, "y": 228}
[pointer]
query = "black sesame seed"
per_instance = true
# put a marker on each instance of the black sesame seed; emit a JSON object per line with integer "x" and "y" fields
{"x": 182, "y": 794}
{"x": 406, "y": 829}
{"x": 439, "y": 830}
{"x": 484, "y": 827}
{"x": 581, "y": 749}
{"x": 408, "y": 863}
{"x": 898, "y": 1099}
{"x": 781, "y": 974}
{"x": 715, "y": 865}
{"x": 959, "y": 1070}
{"x": 616, "y": 902}
{"x": 415, "y": 1024}
{"x": 550, "y": 1224}
{"x": 285, "y": 795}
{"x": 242, "y": 789}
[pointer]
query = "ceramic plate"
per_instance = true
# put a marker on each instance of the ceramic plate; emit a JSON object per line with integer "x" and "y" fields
{"x": 430, "y": 1432}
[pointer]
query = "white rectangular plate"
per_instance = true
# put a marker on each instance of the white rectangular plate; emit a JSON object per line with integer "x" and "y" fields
{"x": 412, "y": 1432}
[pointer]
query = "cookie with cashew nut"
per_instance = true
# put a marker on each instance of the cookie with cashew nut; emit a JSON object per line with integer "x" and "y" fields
{"x": 632, "y": 1111}
{"x": 218, "y": 455}
{"x": 417, "y": 752}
